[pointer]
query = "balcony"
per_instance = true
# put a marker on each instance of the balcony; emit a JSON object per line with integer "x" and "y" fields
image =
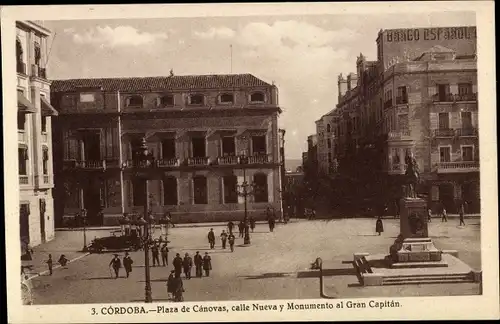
{"x": 403, "y": 135}
{"x": 86, "y": 165}
{"x": 403, "y": 100}
{"x": 38, "y": 71}
{"x": 21, "y": 68}
{"x": 138, "y": 164}
{"x": 228, "y": 160}
{"x": 194, "y": 161}
{"x": 21, "y": 136}
{"x": 449, "y": 97}
{"x": 444, "y": 132}
{"x": 258, "y": 159}
{"x": 168, "y": 163}
{"x": 457, "y": 167}
{"x": 23, "y": 180}
{"x": 46, "y": 179}
{"x": 467, "y": 132}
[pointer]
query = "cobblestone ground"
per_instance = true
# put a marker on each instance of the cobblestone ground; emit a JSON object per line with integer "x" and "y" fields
{"x": 274, "y": 266}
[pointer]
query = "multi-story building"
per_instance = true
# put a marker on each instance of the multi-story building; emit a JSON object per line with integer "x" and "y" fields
{"x": 34, "y": 134}
{"x": 419, "y": 97}
{"x": 325, "y": 130}
{"x": 199, "y": 129}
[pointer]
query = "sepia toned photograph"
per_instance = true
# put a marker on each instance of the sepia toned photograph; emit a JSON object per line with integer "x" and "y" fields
{"x": 302, "y": 158}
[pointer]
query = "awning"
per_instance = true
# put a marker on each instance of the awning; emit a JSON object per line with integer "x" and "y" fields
{"x": 47, "y": 109}
{"x": 24, "y": 105}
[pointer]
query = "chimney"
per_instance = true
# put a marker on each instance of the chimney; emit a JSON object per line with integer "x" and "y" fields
{"x": 342, "y": 83}
{"x": 352, "y": 81}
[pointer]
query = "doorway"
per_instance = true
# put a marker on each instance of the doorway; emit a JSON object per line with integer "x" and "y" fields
{"x": 92, "y": 201}
{"x": 42, "y": 220}
{"x": 446, "y": 197}
{"x": 92, "y": 142}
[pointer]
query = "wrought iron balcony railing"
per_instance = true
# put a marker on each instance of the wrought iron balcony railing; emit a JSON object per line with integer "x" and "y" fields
{"x": 198, "y": 160}
{"x": 470, "y": 132}
{"x": 228, "y": 160}
{"x": 168, "y": 162}
{"x": 444, "y": 132}
{"x": 23, "y": 179}
{"x": 258, "y": 159}
{"x": 449, "y": 97}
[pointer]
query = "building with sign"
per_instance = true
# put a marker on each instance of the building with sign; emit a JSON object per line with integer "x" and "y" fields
{"x": 419, "y": 97}
{"x": 34, "y": 135}
{"x": 206, "y": 133}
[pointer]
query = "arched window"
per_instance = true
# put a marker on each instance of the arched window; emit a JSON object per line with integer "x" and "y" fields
{"x": 328, "y": 128}
{"x": 196, "y": 99}
{"x": 260, "y": 187}
{"x": 257, "y": 97}
{"x": 135, "y": 100}
{"x": 226, "y": 98}
{"x": 167, "y": 100}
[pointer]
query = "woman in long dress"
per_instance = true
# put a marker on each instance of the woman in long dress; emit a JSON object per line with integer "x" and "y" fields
{"x": 379, "y": 226}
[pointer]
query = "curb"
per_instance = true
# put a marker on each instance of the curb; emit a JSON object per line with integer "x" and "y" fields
{"x": 57, "y": 266}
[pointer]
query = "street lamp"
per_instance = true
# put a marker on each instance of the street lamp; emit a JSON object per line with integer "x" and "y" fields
{"x": 144, "y": 160}
{"x": 84, "y": 220}
{"x": 245, "y": 190}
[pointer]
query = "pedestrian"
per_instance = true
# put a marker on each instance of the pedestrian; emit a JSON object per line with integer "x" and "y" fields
{"x": 170, "y": 284}
{"x": 63, "y": 261}
{"x": 252, "y": 223}
{"x": 49, "y": 264}
{"x": 429, "y": 215}
{"x": 211, "y": 238}
{"x": 127, "y": 264}
{"x": 223, "y": 238}
{"x": 313, "y": 213}
{"x": 379, "y": 226}
{"x": 207, "y": 264}
{"x": 231, "y": 239}
{"x": 198, "y": 263}
{"x": 164, "y": 254}
{"x": 461, "y": 214}
{"x": 444, "y": 216}
{"x": 396, "y": 208}
{"x": 116, "y": 265}
{"x": 178, "y": 288}
{"x": 241, "y": 228}
{"x": 177, "y": 262}
{"x": 230, "y": 226}
{"x": 187, "y": 263}
{"x": 155, "y": 251}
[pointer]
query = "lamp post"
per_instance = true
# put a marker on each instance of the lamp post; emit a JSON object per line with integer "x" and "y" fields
{"x": 245, "y": 192}
{"x": 144, "y": 160}
{"x": 84, "y": 220}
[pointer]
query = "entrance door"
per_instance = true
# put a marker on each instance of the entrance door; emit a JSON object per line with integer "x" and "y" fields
{"x": 446, "y": 197}
{"x": 42, "y": 220}
{"x": 92, "y": 201}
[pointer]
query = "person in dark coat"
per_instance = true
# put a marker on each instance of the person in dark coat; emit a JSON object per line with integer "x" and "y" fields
{"x": 49, "y": 264}
{"x": 207, "y": 264}
{"x": 379, "y": 226}
{"x": 127, "y": 264}
{"x": 63, "y": 260}
{"x": 178, "y": 288}
{"x": 198, "y": 263}
{"x": 177, "y": 262}
{"x": 187, "y": 264}
{"x": 170, "y": 283}
{"x": 230, "y": 227}
{"x": 461, "y": 214}
{"x": 211, "y": 238}
{"x": 223, "y": 238}
{"x": 155, "y": 251}
{"x": 444, "y": 215}
{"x": 241, "y": 228}
{"x": 252, "y": 223}
{"x": 116, "y": 264}
{"x": 164, "y": 254}
{"x": 231, "y": 240}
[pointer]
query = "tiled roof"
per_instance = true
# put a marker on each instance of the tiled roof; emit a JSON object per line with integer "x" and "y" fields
{"x": 176, "y": 82}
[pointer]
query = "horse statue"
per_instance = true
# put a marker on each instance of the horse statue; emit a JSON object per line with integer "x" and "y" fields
{"x": 412, "y": 176}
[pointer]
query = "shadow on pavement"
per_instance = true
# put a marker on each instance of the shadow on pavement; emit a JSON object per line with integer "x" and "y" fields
{"x": 103, "y": 278}
{"x": 327, "y": 272}
{"x": 267, "y": 275}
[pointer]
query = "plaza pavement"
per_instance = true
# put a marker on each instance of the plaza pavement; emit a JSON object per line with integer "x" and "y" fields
{"x": 275, "y": 266}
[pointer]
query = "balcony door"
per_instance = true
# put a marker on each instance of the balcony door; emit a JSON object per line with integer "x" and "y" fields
{"x": 444, "y": 121}
{"x": 467, "y": 153}
{"x": 259, "y": 145}
{"x": 466, "y": 119}
{"x": 444, "y": 154}
{"x": 168, "y": 148}
{"x": 198, "y": 147}
{"x": 92, "y": 146}
{"x": 228, "y": 146}
{"x": 443, "y": 91}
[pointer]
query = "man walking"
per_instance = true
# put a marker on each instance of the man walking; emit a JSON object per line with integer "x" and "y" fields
{"x": 223, "y": 238}
{"x": 156, "y": 254}
{"x": 231, "y": 239}
{"x": 116, "y": 265}
{"x": 211, "y": 238}
{"x": 241, "y": 228}
{"x": 429, "y": 215}
{"x": 164, "y": 254}
{"x": 252, "y": 223}
{"x": 188, "y": 265}
{"x": 127, "y": 264}
{"x": 230, "y": 227}
{"x": 207, "y": 264}
{"x": 198, "y": 263}
{"x": 177, "y": 262}
{"x": 461, "y": 214}
{"x": 444, "y": 217}
{"x": 49, "y": 264}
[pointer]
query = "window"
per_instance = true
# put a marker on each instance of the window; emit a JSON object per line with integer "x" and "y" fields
{"x": 139, "y": 192}
{"x": 87, "y": 97}
{"x": 168, "y": 148}
{"x": 403, "y": 122}
{"x": 44, "y": 124}
{"x": 402, "y": 97}
{"x": 134, "y": 101}
{"x": 259, "y": 145}
{"x": 468, "y": 153}
{"x": 200, "y": 190}
{"x": 329, "y": 143}
{"x": 444, "y": 154}
{"x": 228, "y": 146}
{"x": 38, "y": 53}
{"x": 443, "y": 92}
{"x": 257, "y": 97}
{"x": 444, "y": 121}
{"x": 19, "y": 52}
{"x": 45, "y": 160}
{"x": 328, "y": 129}
{"x": 466, "y": 117}
{"x": 198, "y": 146}
{"x": 167, "y": 100}
{"x": 23, "y": 160}
{"x": 169, "y": 191}
{"x": 464, "y": 89}
{"x": 329, "y": 157}
{"x": 21, "y": 122}
{"x": 260, "y": 187}
{"x": 230, "y": 190}
{"x": 196, "y": 99}
{"x": 226, "y": 98}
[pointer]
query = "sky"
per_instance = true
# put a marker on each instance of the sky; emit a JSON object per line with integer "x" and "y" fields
{"x": 302, "y": 55}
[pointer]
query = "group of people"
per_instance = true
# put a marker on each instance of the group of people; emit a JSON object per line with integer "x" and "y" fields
{"x": 175, "y": 286}
{"x": 225, "y": 238}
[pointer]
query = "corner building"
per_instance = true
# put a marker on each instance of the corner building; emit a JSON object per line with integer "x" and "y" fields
{"x": 34, "y": 135}
{"x": 197, "y": 127}
{"x": 420, "y": 96}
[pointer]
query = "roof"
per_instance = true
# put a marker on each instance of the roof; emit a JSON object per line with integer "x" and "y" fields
{"x": 176, "y": 82}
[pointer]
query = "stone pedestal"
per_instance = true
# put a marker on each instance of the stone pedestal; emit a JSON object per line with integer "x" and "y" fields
{"x": 414, "y": 245}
